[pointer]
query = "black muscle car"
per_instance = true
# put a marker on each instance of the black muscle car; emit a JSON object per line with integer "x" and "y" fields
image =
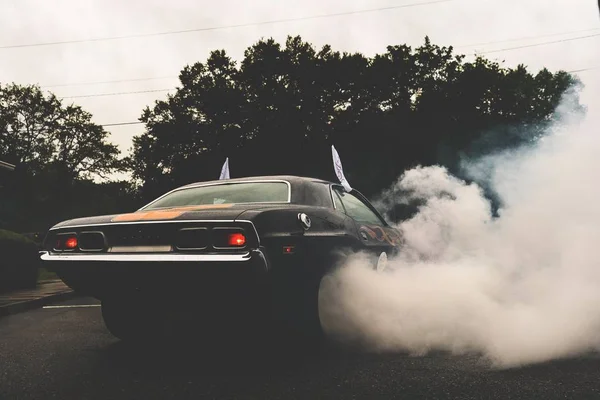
{"x": 217, "y": 252}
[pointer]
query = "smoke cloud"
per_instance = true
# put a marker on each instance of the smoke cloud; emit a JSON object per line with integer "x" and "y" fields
{"x": 519, "y": 288}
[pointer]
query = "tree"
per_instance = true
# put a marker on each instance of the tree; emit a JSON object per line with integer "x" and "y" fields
{"x": 283, "y": 106}
{"x": 56, "y": 148}
{"x": 38, "y": 131}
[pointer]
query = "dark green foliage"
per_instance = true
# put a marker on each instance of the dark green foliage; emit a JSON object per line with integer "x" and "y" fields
{"x": 279, "y": 111}
{"x": 19, "y": 262}
{"x": 57, "y": 150}
{"x": 39, "y": 133}
{"x": 38, "y": 205}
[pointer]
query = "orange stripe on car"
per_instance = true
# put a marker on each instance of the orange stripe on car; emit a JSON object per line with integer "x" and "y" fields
{"x": 170, "y": 213}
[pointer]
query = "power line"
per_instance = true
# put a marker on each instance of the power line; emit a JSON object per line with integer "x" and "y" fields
{"x": 583, "y": 70}
{"x": 484, "y": 52}
{"x": 113, "y": 81}
{"x": 528, "y": 38}
{"x": 214, "y": 28}
{"x": 116, "y": 93}
{"x": 457, "y": 47}
{"x": 538, "y": 44}
{"x": 122, "y": 123}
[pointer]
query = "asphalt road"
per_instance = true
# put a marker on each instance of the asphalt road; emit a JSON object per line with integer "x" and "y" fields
{"x": 66, "y": 353}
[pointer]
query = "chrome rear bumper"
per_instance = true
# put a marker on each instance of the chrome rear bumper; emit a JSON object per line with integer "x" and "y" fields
{"x": 148, "y": 257}
{"x": 161, "y": 274}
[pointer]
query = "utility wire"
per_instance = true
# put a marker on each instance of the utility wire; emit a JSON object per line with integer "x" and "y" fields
{"x": 484, "y": 52}
{"x": 113, "y": 81}
{"x": 116, "y": 93}
{"x": 539, "y": 44}
{"x": 457, "y": 47}
{"x": 122, "y": 123}
{"x": 528, "y": 38}
{"x": 583, "y": 70}
{"x": 214, "y": 28}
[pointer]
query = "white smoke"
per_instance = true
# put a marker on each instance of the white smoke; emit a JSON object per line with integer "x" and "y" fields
{"x": 520, "y": 288}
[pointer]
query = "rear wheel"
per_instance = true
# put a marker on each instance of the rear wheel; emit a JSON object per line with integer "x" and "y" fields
{"x": 295, "y": 319}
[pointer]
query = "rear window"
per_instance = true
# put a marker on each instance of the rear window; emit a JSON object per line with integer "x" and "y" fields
{"x": 231, "y": 193}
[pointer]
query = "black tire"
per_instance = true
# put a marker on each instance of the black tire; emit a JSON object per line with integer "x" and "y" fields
{"x": 295, "y": 320}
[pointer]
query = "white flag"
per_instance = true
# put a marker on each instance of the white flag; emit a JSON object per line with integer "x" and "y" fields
{"x": 225, "y": 170}
{"x": 339, "y": 171}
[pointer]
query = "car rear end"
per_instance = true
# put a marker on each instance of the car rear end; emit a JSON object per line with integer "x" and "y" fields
{"x": 183, "y": 260}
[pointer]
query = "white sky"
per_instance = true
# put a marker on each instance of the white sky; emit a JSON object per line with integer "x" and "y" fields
{"x": 458, "y": 23}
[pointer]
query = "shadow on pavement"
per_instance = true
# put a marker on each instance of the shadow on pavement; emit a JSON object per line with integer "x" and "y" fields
{"x": 225, "y": 358}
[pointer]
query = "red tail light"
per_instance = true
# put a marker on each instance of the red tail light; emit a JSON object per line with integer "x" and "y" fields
{"x": 236, "y": 239}
{"x": 71, "y": 243}
{"x": 66, "y": 242}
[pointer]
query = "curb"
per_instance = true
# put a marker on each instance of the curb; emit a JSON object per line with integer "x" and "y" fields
{"x": 22, "y": 306}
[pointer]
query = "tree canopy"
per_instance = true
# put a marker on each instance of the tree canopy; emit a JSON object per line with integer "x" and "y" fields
{"x": 38, "y": 131}
{"x": 55, "y": 148}
{"x": 281, "y": 108}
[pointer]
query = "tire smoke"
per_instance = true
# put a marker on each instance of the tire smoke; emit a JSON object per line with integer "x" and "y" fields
{"x": 519, "y": 288}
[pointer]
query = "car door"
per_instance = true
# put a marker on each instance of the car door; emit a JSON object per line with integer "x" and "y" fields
{"x": 375, "y": 234}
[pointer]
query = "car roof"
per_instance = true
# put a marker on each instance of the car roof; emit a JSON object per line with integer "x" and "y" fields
{"x": 308, "y": 191}
{"x": 303, "y": 190}
{"x": 292, "y": 179}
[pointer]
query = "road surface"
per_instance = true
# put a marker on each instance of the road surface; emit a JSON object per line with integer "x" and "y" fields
{"x": 67, "y": 353}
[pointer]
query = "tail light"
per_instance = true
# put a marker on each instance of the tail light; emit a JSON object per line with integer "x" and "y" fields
{"x": 66, "y": 242}
{"x": 236, "y": 239}
{"x": 225, "y": 238}
{"x": 71, "y": 243}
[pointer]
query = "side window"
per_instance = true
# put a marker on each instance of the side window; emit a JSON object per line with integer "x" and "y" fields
{"x": 356, "y": 209}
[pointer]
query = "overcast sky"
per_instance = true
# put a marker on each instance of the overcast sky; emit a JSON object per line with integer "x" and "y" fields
{"x": 460, "y": 23}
